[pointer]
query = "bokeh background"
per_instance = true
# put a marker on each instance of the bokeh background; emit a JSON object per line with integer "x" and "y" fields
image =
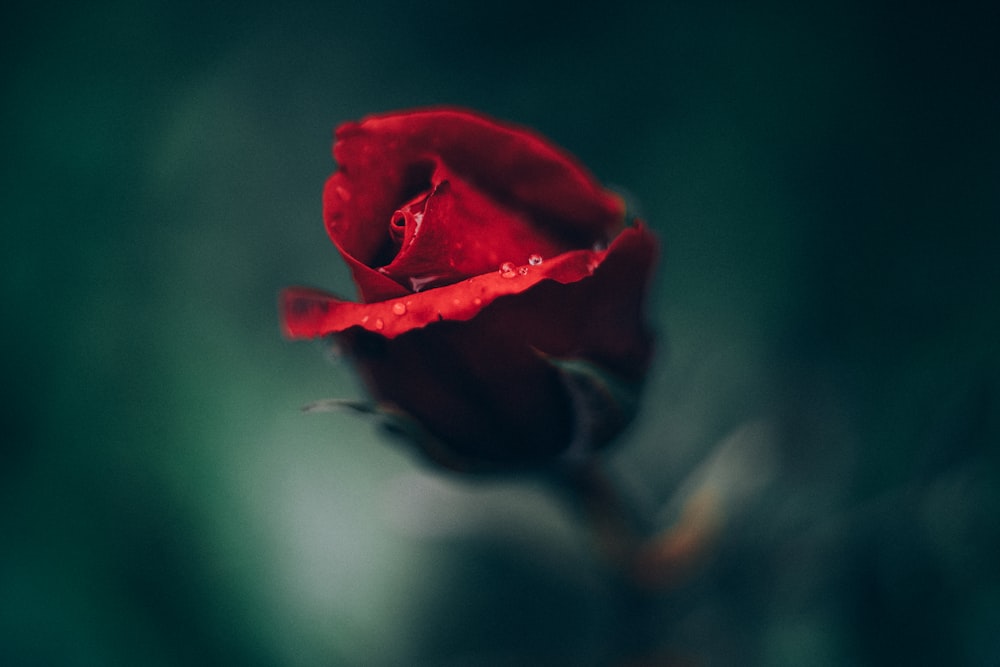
{"x": 824, "y": 179}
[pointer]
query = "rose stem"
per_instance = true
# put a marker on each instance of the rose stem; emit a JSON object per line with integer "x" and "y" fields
{"x": 616, "y": 532}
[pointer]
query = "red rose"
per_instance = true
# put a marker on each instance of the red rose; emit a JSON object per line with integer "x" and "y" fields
{"x": 501, "y": 288}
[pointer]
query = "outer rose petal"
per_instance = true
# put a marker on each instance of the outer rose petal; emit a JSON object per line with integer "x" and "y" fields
{"x": 310, "y": 313}
{"x": 386, "y": 160}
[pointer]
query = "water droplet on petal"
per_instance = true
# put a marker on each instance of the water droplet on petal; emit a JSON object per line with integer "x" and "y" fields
{"x": 477, "y": 301}
{"x": 343, "y": 193}
{"x": 507, "y": 270}
{"x": 523, "y": 270}
{"x": 399, "y": 308}
{"x": 379, "y": 324}
{"x": 535, "y": 260}
{"x": 364, "y": 320}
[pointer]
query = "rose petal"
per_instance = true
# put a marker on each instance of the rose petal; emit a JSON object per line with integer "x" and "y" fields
{"x": 359, "y": 244}
{"x": 309, "y": 313}
{"x": 600, "y": 318}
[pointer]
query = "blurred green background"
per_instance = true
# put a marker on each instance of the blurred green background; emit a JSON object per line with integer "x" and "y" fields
{"x": 825, "y": 183}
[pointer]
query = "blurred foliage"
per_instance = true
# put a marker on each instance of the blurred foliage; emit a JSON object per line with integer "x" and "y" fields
{"x": 824, "y": 179}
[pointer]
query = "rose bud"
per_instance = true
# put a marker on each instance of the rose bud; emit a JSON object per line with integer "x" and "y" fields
{"x": 500, "y": 323}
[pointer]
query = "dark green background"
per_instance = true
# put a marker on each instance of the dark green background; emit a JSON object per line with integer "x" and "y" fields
{"x": 825, "y": 183}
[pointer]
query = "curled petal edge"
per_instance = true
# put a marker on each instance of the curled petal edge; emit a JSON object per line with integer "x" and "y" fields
{"x": 312, "y": 313}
